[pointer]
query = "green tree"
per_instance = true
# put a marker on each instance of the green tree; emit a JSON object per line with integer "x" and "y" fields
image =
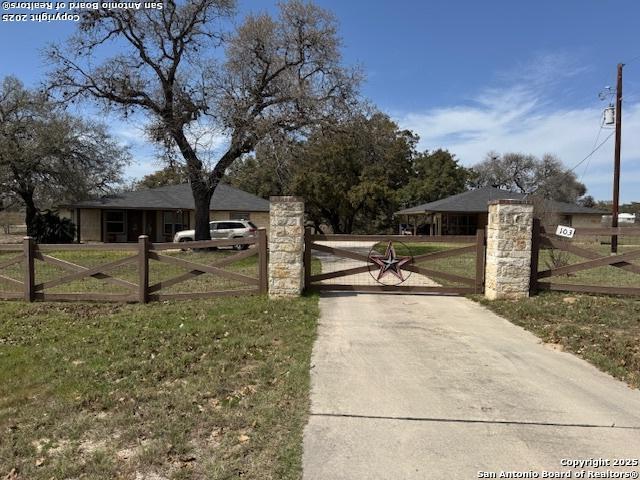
{"x": 269, "y": 171}
{"x": 435, "y": 175}
{"x": 587, "y": 201}
{"x": 49, "y": 157}
{"x": 348, "y": 175}
{"x": 172, "y": 174}
{"x": 354, "y": 175}
{"x": 633, "y": 207}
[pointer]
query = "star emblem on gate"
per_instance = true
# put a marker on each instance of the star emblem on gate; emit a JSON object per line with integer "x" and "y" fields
{"x": 389, "y": 262}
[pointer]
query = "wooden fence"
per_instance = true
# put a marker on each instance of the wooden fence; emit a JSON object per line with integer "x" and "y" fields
{"x": 589, "y": 259}
{"x": 27, "y": 287}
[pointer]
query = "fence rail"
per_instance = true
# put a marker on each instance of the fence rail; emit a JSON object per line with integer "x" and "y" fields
{"x": 588, "y": 259}
{"x": 27, "y": 287}
{"x": 398, "y": 238}
{"x": 356, "y": 261}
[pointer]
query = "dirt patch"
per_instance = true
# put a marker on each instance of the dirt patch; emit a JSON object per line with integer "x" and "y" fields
{"x": 555, "y": 346}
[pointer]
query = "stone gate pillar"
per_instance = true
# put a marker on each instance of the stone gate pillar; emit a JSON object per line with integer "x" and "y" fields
{"x": 286, "y": 247}
{"x": 508, "y": 261}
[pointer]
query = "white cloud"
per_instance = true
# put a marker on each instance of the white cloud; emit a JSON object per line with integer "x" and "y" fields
{"x": 530, "y": 116}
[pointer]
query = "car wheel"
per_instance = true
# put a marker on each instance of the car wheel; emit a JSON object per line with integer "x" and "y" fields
{"x": 184, "y": 240}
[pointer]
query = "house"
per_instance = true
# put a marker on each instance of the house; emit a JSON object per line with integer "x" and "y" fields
{"x": 463, "y": 213}
{"x": 159, "y": 213}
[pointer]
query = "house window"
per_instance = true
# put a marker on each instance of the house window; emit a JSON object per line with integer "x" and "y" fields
{"x": 174, "y": 222}
{"x": 239, "y": 216}
{"x": 114, "y": 221}
{"x": 459, "y": 224}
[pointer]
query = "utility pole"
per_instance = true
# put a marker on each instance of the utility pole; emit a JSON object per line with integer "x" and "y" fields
{"x": 616, "y": 164}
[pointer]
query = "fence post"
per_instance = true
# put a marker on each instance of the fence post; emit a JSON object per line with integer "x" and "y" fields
{"x": 307, "y": 257}
{"x": 480, "y": 253}
{"x": 143, "y": 269}
{"x": 286, "y": 247}
{"x": 508, "y": 261}
{"x": 263, "y": 273}
{"x": 29, "y": 270}
{"x": 535, "y": 255}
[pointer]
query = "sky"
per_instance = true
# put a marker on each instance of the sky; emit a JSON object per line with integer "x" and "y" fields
{"x": 472, "y": 77}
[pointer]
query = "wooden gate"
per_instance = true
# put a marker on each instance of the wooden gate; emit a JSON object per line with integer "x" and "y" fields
{"x": 584, "y": 263}
{"x": 414, "y": 264}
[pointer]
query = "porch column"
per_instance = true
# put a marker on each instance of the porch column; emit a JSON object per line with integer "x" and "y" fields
{"x": 508, "y": 261}
{"x": 78, "y": 226}
{"x": 286, "y": 247}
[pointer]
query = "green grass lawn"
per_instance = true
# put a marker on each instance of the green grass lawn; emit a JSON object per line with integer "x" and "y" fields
{"x": 605, "y": 330}
{"x": 207, "y": 389}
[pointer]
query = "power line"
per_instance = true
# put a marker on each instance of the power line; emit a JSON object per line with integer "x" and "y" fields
{"x": 595, "y": 142}
{"x": 567, "y": 172}
{"x": 632, "y": 60}
{"x": 591, "y": 153}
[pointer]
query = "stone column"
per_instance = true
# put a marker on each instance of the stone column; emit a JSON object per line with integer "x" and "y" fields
{"x": 508, "y": 262}
{"x": 286, "y": 247}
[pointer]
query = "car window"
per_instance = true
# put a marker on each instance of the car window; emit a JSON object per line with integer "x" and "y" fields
{"x": 252, "y": 225}
{"x": 213, "y": 226}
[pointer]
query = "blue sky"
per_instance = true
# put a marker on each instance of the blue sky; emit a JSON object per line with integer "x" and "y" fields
{"x": 469, "y": 76}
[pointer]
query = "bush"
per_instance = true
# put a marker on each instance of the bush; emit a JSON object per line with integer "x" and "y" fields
{"x": 49, "y": 227}
{"x": 557, "y": 258}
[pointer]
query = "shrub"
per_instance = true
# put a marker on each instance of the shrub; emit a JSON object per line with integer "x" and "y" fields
{"x": 49, "y": 227}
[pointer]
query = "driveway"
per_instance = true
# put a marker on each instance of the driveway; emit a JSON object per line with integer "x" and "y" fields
{"x": 436, "y": 387}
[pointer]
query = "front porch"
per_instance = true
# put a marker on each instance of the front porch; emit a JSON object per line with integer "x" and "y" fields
{"x": 126, "y": 225}
{"x": 442, "y": 223}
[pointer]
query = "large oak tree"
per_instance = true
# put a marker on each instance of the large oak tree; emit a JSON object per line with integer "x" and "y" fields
{"x": 353, "y": 175}
{"x": 192, "y": 80}
{"x": 546, "y": 177}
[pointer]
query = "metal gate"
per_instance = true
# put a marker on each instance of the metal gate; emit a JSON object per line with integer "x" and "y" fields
{"x": 395, "y": 263}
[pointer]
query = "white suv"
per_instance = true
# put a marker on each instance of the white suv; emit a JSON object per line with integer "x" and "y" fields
{"x": 222, "y": 229}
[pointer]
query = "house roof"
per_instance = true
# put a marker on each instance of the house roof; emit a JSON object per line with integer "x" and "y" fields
{"x": 225, "y": 197}
{"x": 476, "y": 201}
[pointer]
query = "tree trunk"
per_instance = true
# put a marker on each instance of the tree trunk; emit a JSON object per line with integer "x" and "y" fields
{"x": 348, "y": 227}
{"x": 334, "y": 221}
{"x": 202, "y": 201}
{"x": 200, "y": 190}
{"x": 31, "y": 211}
{"x": 203, "y": 186}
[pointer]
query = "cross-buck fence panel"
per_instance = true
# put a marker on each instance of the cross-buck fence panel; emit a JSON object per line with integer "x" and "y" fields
{"x": 396, "y": 263}
{"x": 139, "y": 272}
{"x": 584, "y": 263}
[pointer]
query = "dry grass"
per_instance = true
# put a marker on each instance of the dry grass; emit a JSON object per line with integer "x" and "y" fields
{"x": 606, "y": 276}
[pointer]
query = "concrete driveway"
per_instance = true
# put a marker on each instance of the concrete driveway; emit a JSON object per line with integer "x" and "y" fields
{"x": 436, "y": 387}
